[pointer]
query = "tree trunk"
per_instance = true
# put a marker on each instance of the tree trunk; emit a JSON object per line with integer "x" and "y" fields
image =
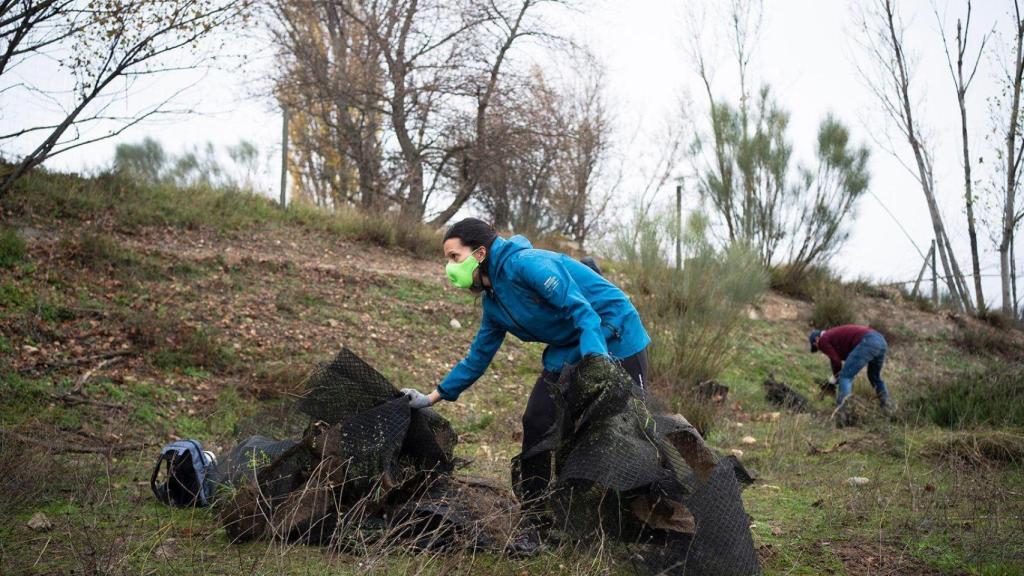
{"x": 961, "y": 94}
{"x": 953, "y": 276}
{"x": 470, "y": 175}
{"x": 1012, "y": 172}
{"x": 1013, "y": 275}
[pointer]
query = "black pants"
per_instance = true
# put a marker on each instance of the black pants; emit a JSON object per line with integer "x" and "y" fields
{"x": 540, "y": 414}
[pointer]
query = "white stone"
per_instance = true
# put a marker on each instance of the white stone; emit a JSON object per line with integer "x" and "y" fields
{"x": 749, "y": 440}
{"x": 857, "y": 481}
{"x": 39, "y": 522}
{"x": 455, "y": 324}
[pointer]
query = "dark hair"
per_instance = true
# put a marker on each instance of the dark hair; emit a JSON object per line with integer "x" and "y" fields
{"x": 472, "y": 232}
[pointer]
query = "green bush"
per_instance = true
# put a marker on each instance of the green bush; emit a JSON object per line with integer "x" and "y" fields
{"x": 983, "y": 398}
{"x": 694, "y": 315}
{"x": 12, "y": 248}
{"x": 798, "y": 283}
{"x": 833, "y": 306}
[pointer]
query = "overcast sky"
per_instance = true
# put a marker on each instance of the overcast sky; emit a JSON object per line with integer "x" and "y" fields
{"x": 807, "y": 52}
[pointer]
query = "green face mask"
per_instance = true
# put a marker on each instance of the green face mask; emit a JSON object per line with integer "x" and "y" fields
{"x": 461, "y": 273}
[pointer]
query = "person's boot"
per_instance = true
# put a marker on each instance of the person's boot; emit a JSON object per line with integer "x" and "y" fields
{"x": 841, "y": 416}
{"x": 885, "y": 406}
{"x": 526, "y": 543}
{"x": 530, "y": 480}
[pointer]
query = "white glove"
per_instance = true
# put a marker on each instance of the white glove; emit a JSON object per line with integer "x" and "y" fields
{"x": 416, "y": 398}
{"x": 832, "y": 380}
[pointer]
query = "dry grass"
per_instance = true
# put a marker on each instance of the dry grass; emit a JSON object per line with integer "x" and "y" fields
{"x": 979, "y": 447}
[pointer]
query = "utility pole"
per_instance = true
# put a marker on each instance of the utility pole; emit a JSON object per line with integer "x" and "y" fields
{"x": 284, "y": 156}
{"x": 679, "y": 224}
{"x": 924, "y": 267}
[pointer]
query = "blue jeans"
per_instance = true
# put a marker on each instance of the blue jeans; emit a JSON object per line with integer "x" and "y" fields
{"x": 871, "y": 353}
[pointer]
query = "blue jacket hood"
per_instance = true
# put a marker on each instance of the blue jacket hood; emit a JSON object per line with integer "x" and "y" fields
{"x": 502, "y": 250}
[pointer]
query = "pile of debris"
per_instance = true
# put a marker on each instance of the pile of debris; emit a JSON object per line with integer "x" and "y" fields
{"x": 780, "y": 394}
{"x": 643, "y": 478}
{"x": 369, "y": 471}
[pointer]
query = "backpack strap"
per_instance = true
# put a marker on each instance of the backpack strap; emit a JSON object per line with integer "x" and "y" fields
{"x": 201, "y": 467}
{"x": 160, "y": 489}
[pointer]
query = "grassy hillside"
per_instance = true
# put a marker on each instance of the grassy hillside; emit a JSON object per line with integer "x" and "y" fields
{"x": 132, "y": 316}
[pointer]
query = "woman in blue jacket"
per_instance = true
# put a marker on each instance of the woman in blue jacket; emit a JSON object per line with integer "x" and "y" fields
{"x": 539, "y": 296}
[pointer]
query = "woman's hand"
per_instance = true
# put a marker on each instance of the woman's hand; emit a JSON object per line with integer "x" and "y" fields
{"x": 418, "y": 399}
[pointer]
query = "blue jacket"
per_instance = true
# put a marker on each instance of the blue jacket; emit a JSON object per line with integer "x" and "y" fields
{"x": 542, "y": 296}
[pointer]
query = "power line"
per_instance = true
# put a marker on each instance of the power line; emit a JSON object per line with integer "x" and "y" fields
{"x": 919, "y": 252}
{"x": 896, "y": 220}
{"x": 943, "y": 278}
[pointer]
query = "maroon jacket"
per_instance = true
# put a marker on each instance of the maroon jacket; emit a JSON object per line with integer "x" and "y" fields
{"x": 838, "y": 342}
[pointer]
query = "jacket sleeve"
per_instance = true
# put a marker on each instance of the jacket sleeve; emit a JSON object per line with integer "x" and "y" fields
{"x": 553, "y": 282}
{"x": 486, "y": 343}
{"x": 828, "y": 350}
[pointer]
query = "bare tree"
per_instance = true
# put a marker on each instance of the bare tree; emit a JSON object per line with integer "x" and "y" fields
{"x": 584, "y": 156}
{"x": 547, "y": 150}
{"x": 722, "y": 183}
{"x": 962, "y": 83}
{"x": 98, "y": 44}
{"x": 403, "y": 89}
{"x": 1013, "y": 152}
{"x": 332, "y": 81}
{"x": 525, "y": 141}
{"x": 882, "y": 37}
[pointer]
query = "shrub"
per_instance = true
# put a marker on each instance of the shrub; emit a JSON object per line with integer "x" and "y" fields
{"x": 800, "y": 284}
{"x": 995, "y": 318}
{"x": 699, "y": 410}
{"x": 867, "y": 288}
{"x": 979, "y": 447}
{"x": 102, "y": 252}
{"x": 833, "y": 306}
{"x": 96, "y": 250}
{"x": 276, "y": 379}
{"x": 12, "y": 248}
{"x": 694, "y": 315}
{"x": 982, "y": 340}
{"x": 981, "y": 398}
{"x": 919, "y": 300}
{"x": 419, "y": 239}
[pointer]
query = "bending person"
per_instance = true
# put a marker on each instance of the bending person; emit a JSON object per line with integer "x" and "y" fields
{"x": 539, "y": 296}
{"x": 849, "y": 349}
